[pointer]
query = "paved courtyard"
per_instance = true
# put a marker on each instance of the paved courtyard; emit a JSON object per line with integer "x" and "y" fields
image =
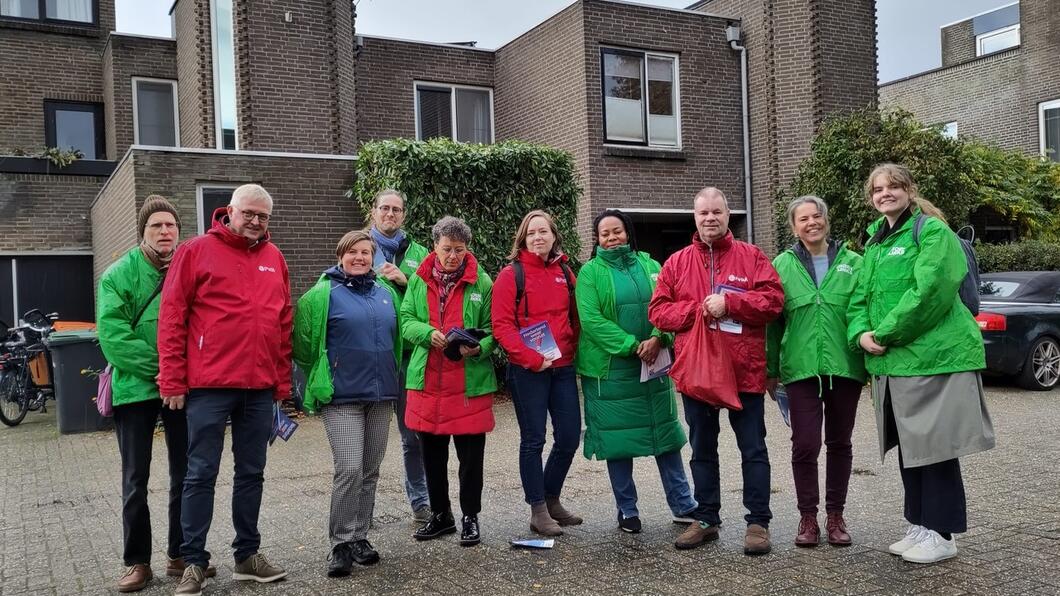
{"x": 60, "y": 526}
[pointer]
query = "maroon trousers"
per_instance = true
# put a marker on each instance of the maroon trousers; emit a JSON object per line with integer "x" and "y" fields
{"x": 832, "y": 401}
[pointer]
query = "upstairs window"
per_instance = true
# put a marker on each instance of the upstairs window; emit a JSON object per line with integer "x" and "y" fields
{"x": 949, "y": 130}
{"x": 458, "y": 112}
{"x": 71, "y": 11}
{"x": 155, "y": 112}
{"x": 75, "y": 125}
{"x": 1049, "y": 129}
{"x": 997, "y": 40}
{"x": 641, "y": 98}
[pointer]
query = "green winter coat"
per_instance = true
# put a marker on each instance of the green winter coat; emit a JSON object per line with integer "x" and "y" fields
{"x": 410, "y": 260}
{"x": 908, "y": 295}
{"x": 624, "y": 418}
{"x": 810, "y": 337}
{"x": 133, "y": 353}
{"x": 479, "y": 377}
{"x": 309, "y": 341}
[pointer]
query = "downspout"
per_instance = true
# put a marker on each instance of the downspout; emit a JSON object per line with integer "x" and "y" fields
{"x": 733, "y": 35}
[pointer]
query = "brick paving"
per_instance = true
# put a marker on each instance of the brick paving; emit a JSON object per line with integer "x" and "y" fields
{"x": 60, "y": 526}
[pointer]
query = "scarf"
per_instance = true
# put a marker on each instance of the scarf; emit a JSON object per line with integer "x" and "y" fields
{"x": 388, "y": 245}
{"x": 154, "y": 257}
{"x": 446, "y": 280}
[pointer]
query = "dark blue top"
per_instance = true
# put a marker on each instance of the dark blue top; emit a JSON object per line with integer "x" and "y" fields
{"x": 360, "y": 341}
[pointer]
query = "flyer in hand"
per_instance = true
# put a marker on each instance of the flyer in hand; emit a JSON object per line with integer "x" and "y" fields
{"x": 539, "y": 337}
{"x": 657, "y": 369}
{"x": 729, "y": 325}
{"x": 282, "y": 426}
{"x": 457, "y": 337}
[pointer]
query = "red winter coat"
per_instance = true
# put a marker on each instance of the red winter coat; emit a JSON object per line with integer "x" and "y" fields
{"x": 694, "y": 272}
{"x": 547, "y": 298}
{"x": 225, "y": 319}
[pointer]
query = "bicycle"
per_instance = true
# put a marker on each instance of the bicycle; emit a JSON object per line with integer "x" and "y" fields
{"x": 23, "y": 389}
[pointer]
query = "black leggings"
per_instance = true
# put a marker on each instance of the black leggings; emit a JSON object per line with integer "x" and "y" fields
{"x": 470, "y": 450}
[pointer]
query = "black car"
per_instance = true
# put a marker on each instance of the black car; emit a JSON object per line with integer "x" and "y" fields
{"x": 1020, "y": 320}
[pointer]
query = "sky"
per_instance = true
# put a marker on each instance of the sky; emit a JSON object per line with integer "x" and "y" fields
{"x": 908, "y": 30}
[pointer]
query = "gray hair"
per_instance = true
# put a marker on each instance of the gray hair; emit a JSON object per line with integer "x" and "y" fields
{"x": 389, "y": 192}
{"x": 822, "y": 207}
{"x": 452, "y": 228}
{"x": 712, "y": 191}
{"x": 251, "y": 192}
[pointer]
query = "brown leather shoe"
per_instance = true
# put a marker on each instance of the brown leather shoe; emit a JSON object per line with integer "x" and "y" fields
{"x": 756, "y": 541}
{"x": 809, "y": 531}
{"x": 135, "y": 578}
{"x": 696, "y": 535}
{"x": 837, "y": 530}
{"x": 175, "y": 568}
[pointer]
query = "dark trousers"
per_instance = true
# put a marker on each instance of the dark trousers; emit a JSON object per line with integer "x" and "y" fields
{"x": 537, "y": 396}
{"x": 750, "y": 428}
{"x": 832, "y": 401}
{"x": 251, "y": 412}
{"x": 470, "y": 451}
{"x": 135, "y": 428}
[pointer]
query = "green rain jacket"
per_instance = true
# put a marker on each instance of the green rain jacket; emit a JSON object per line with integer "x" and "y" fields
{"x": 133, "y": 353}
{"x": 908, "y": 295}
{"x": 309, "y": 344}
{"x": 810, "y": 337}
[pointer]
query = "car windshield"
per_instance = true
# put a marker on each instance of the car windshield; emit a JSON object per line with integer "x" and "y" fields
{"x": 998, "y": 289}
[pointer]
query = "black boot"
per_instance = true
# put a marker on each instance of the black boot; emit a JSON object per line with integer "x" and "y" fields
{"x": 341, "y": 560}
{"x": 469, "y": 535}
{"x": 439, "y": 524}
{"x": 363, "y": 553}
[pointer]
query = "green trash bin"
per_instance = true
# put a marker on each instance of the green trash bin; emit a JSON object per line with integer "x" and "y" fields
{"x": 75, "y": 393}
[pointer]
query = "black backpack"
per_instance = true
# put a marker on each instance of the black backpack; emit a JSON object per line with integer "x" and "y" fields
{"x": 969, "y": 290}
{"x": 520, "y": 291}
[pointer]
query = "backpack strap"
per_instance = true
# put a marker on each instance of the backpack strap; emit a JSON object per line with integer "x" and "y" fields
{"x": 520, "y": 292}
{"x": 917, "y": 226}
{"x": 567, "y": 274}
{"x": 143, "y": 308}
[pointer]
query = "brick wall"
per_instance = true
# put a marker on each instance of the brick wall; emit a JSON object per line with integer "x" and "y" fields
{"x": 41, "y": 212}
{"x": 310, "y": 211}
{"x": 195, "y": 72}
{"x": 958, "y": 43}
{"x": 126, "y": 57}
{"x": 113, "y": 217}
{"x": 386, "y": 69}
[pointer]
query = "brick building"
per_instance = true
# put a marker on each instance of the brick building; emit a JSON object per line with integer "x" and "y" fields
{"x": 648, "y": 100}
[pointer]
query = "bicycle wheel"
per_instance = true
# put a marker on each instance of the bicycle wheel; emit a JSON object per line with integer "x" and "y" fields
{"x": 14, "y": 399}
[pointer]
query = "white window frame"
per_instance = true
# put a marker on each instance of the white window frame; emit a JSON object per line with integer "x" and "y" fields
{"x": 644, "y": 93}
{"x": 984, "y": 36}
{"x": 1042, "y": 107}
{"x": 136, "y": 112}
{"x": 198, "y": 200}
{"x": 452, "y": 105}
{"x": 215, "y": 67}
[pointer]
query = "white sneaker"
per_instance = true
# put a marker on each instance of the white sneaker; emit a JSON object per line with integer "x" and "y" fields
{"x": 912, "y": 536}
{"x": 931, "y": 549}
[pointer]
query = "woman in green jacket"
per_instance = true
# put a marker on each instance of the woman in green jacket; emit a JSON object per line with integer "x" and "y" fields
{"x": 347, "y": 339}
{"x": 625, "y": 417}
{"x": 806, "y": 349}
{"x": 924, "y": 350}
{"x": 127, "y": 322}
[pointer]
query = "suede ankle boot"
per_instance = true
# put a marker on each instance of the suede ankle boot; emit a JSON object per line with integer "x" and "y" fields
{"x": 542, "y": 523}
{"x": 560, "y": 513}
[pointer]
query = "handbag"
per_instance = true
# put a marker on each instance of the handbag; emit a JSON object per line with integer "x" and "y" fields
{"x": 703, "y": 370}
{"x": 104, "y": 396}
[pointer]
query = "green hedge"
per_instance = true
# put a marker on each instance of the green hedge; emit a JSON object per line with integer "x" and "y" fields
{"x": 1032, "y": 255}
{"x": 491, "y": 187}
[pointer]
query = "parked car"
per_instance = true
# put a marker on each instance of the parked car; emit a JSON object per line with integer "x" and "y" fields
{"x": 1020, "y": 320}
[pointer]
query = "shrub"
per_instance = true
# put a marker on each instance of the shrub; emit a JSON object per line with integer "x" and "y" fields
{"x": 491, "y": 187}
{"x": 1031, "y": 255}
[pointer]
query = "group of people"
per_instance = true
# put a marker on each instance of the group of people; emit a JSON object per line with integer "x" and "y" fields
{"x": 396, "y": 327}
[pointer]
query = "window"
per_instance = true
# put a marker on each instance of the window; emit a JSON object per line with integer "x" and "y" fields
{"x": 224, "y": 74}
{"x": 155, "y": 113}
{"x": 949, "y": 130}
{"x": 997, "y": 40}
{"x": 75, "y": 11}
{"x": 211, "y": 197}
{"x": 74, "y": 125}
{"x": 439, "y": 106}
{"x": 1049, "y": 129}
{"x": 641, "y": 98}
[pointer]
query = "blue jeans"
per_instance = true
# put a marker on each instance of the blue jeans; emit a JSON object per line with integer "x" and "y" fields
{"x": 411, "y": 451}
{"x": 207, "y": 412}
{"x": 750, "y": 428}
{"x": 674, "y": 481}
{"x": 537, "y": 395}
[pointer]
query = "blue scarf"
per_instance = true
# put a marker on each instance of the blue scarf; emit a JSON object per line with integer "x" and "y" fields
{"x": 387, "y": 246}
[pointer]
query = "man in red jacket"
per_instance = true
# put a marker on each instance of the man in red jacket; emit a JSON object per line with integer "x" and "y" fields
{"x": 732, "y": 284}
{"x": 224, "y": 349}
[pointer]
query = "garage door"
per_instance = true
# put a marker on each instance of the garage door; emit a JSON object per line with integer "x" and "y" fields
{"x": 50, "y": 283}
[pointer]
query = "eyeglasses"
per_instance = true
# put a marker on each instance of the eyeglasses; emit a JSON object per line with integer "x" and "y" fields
{"x": 248, "y": 216}
{"x": 391, "y": 209}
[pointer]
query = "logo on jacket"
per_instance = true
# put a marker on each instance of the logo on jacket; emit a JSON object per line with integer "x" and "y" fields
{"x": 654, "y": 277}
{"x": 560, "y": 280}
{"x": 475, "y": 297}
{"x": 263, "y": 269}
{"x": 411, "y": 263}
{"x": 844, "y": 268}
{"x": 737, "y": 278}
{"x": 896, "y": 251}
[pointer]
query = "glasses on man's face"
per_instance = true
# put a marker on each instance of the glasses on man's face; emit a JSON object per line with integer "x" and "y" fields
{"x": 391, "y": 209}
{"x": 248, "y": 216}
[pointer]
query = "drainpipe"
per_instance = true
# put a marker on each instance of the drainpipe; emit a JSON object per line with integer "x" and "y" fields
{"x": 733, "y": 35}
